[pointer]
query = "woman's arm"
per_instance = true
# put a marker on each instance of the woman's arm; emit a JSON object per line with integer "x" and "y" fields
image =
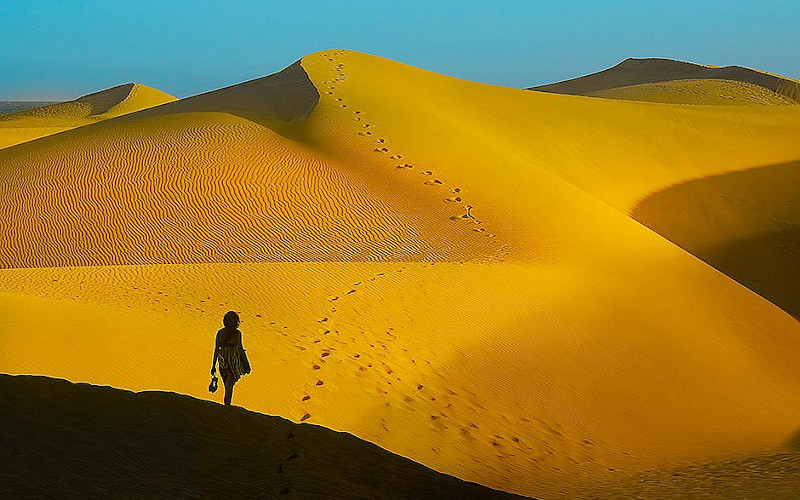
{"x": 216, "y": 353}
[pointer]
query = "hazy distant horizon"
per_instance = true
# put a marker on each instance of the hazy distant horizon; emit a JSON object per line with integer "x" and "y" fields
{"x": 61, "y": 50}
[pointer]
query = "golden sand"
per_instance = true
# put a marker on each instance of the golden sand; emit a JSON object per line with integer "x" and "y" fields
{"x": 444, "y": 268}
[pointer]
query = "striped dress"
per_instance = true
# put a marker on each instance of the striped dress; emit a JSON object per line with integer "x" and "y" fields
{"x": 231, "y": 356}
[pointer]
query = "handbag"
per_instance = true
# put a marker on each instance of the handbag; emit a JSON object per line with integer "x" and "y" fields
{"x": 245, "y": 361}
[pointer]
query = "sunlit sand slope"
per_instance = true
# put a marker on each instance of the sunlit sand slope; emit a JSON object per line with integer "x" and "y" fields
{"x": 98, "y": 442}
{"x": 31, "y": 124}
{"x": 705, "y": 92}
{"x": 635, "y": 72}
{"x": 525, "y": 333}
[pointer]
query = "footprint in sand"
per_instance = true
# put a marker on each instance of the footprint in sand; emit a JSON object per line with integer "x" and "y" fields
{"x": 351, "y": 292}
{"x": 305, "y": 417}
{"x": 320, "y": 382}
{"x": 325, "y": 354}
{"x": 334, "y": 299}
{"x": 291, "y": 457}
{"x": 323, "y": 320}
{"x": 427, "y": 172}
{"x": 306, "y": 398}
{"x": 316, "y": 367}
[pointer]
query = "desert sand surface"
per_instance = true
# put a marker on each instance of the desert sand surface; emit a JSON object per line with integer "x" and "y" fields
{"x": 770, "y": 476}
{"x": 128, "y": 443}
{"x": 32, "y": 122}
{"x": 484, "y": 280}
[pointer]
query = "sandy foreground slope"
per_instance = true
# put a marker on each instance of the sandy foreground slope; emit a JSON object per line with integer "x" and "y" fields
{"x": 30, "y": 124}
{"x": 444, "y": 268}
{"x": 161, "y": 445}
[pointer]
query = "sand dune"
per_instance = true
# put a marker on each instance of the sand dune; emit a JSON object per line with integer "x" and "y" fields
{"x": 447, "y": 269}
{"x": 635, "y": 72}
{"x": 30, "y": 124}
{"x": 128, "y": 444}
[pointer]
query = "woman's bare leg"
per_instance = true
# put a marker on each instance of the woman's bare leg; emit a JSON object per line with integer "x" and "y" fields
{"x": 229, "y": 383}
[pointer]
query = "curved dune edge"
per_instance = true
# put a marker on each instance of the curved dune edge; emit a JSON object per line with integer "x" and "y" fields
{"x": 69, "y": 440}
{"x": 30, "y": 124}
{"x": 746, "y": 224}
{"x": 634, "y": 71}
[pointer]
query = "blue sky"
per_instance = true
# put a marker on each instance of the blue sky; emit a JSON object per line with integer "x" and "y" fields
{"x": 62, "y": 49}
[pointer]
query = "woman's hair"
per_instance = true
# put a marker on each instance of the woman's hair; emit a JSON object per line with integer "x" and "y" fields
{"x": 231, "y": 320}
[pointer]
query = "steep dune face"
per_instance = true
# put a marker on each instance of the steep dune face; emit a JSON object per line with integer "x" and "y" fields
{"x": 31, "y": 124}
{"x": 444, "y": 268}
{"x": 284, "y": 97}
{"x": 746, "y": 224}
{"x": 636, "y": 72}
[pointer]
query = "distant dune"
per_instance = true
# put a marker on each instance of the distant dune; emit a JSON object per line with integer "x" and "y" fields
{"x": 163, "y": 445}
{"x": 507, "y": 286}
{"x": 665, "y": 80}
{"x": 29, "y": 124}
{"x": 7, "y": 107}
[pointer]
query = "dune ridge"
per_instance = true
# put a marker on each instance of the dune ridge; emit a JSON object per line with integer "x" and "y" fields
{"x": 634, "y": 71}
{"x": 525, "y": 333}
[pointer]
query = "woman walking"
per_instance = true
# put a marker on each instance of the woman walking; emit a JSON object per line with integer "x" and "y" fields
{"x": 228, "y": 350}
